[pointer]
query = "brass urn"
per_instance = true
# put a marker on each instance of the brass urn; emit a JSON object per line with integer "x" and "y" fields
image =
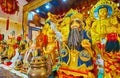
{"x": 38, "y": 68}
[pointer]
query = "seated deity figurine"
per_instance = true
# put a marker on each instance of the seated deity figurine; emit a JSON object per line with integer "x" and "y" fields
{"x": 105, "y": 30}
{"x": 78, "y": 52}
{"x": 11, "y": 42}
{"x": 74, "y": 39}
{"x": 22, "y": 50}
{"x": 40, "y": 42}
{"x": 98, "y": 30}
{"x": 51, "y": 48}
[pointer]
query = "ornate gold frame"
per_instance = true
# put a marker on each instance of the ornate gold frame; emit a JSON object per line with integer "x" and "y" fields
{"x": 27, "y": 8}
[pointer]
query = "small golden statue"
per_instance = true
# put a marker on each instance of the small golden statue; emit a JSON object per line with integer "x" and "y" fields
{"x": 102, "y": 12}
{"x": 51, "y": 48}
{"x": 11, "y": 42}
{"x": 99, "y": 27}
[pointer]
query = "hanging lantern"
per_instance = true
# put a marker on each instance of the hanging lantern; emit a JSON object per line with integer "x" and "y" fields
{"x": 9, "y": 6}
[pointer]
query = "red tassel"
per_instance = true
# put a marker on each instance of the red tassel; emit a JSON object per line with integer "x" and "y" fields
{"x": 7, "y": 24}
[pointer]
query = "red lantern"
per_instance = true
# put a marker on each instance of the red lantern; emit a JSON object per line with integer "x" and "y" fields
{"x": 9, "y": 6}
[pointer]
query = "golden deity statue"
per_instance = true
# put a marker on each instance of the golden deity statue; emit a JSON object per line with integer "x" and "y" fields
{"x": 11, "y": 42}
{"x": 105, "y": 29}
{"x": 75, "y": 58}
{"x": 51, "y": 47}
{"x": 98, "y": 30}
{"x": 102, "y": 12}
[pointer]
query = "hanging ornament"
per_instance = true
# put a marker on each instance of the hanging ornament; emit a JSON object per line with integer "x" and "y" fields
{"x": 7, "y": 24}
{"x": 9, "y": 6}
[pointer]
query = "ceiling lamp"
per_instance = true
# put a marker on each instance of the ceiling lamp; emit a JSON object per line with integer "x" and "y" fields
{"x": 48, "y": 6}
{"x": 33, "y": 12}
{"x": 37, "y": 10}
{"x": 64, "y": 0}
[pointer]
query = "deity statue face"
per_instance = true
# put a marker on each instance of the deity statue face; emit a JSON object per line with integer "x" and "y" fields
{"x": 75, "y": 24}
{"x": 51, "y": 36}
{"x": 75, "y": 34}
{"x": 103, "y": 13}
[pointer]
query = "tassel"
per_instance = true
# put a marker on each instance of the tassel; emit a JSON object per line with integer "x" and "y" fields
{"x": 7, "y": 24}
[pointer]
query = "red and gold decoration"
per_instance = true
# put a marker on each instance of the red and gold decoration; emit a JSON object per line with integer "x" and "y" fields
{"x": 9, "y": 6}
